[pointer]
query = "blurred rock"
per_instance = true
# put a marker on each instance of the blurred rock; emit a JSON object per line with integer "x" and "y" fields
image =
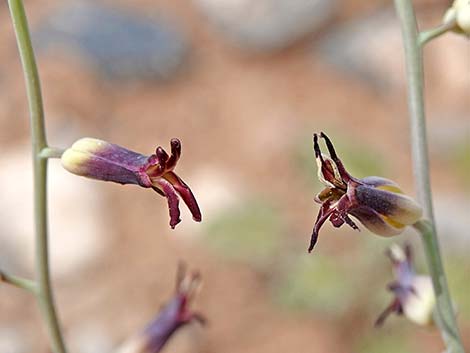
{"x": 91, "y": 337}
{"x": 121, "y": 45}
{"x": 266, "y": 25}
{"x": 369, "y": 48}
{"x": 77, "y": 231}
{"x": 13, "y": 340}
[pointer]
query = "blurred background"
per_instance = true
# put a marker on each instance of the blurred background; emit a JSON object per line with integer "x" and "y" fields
{"x": 243, "y": 84}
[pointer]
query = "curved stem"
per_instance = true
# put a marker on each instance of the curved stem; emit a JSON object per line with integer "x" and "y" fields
{"x": 430, "y": 34}
{"x": 19, "y": 282}
{"x": 38, "y": 139}
{"x": 414, "y": 70}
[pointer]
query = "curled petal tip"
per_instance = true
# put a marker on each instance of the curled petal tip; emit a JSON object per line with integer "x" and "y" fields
{"x": 175, "y": 144}
{"x": 162, "y": 156}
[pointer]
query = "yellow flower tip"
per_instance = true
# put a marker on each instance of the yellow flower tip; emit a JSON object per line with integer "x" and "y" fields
{"x": 459, "y": 12}
{"x": 76, "y": 158}
{"x": 407, "y": 212}
{"x": 75, "y": 161}
{"x": 89, "y": 144}
{"x": 419, "y": 306}
{"x": 397, "y": 253}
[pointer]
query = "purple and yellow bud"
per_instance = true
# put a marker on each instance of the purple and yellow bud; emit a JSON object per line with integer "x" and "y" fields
{"x": 175, "y": 314}
{"x": 101, "y": 160}
{"x": 413, "y": 294}
{"x": 378, "y": 203}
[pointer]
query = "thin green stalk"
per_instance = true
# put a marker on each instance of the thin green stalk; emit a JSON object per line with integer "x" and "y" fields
{"x": 51, "y": 152}
{"x": 19, "y": 282}
{"x": 414, "y": 70}
{"x": 430, "y": 34}
{"x": 38, "y": 138}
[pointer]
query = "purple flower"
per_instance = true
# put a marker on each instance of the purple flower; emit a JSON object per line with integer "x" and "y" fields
{"x": 97, "y": 159}
{"x": 175, "y": 314}
{"x": 413, "y": 294}
{"x": 378, "y": 203}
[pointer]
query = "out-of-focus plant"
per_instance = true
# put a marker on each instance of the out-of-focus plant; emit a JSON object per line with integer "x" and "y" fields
{"x": 174, "y": 315}
{"x": 99, "y": 160}
{"x": 413, "y": 293}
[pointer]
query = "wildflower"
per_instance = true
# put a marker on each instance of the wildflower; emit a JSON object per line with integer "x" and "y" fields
{"x": 460, "y": 13}
{"x": 413, "y": 294}
{"x": 174, "y": 315}
{"x": 378, "y": 203}
{"x": 97, "y": 159}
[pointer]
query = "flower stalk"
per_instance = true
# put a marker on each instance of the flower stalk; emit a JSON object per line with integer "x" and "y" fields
{"x": 414, "y": 71}
{"x": 19, "y": 282}
{"x": 43, "y": 293}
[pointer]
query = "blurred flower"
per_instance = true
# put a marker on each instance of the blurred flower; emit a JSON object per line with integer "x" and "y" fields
{"x": 414, "y": 294}
{"x": 102, "y": 160}
{"x": 460, "y": 13}
{"x": 378, "y": 203}
{"x": 174, "y": 315}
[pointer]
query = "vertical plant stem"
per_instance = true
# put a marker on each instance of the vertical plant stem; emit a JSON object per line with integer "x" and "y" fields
{"x": 38, "y": 138}
{"x": 414, "y": 71}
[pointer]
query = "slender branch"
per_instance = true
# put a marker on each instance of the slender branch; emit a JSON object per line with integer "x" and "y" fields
{"x": 51, "y": 152}
{"x": 38, "y": 139}
{"x": 414, "y": 70}
{"x": 19, "y": 282}
{"x": 430, "y": 34}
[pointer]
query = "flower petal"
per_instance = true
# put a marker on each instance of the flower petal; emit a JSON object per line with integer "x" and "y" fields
{"x": 418, "y": 305}
{"x": 102, "y": 160}
{"x": 175, "y": 153}
{"x": 323, "y": 214}
{"x": 394, "y": 307}
{"x": 396, "y": 207}
{"x": 173, "y": 201}
{"x": 382, "y": 184}
{"x": 186, "y": 194}
{"x": 375, "y": 222}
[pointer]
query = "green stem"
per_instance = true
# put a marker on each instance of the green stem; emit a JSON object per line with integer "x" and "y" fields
{"x": 19, "y": 282}
{"x": 414, "y": 70}
{"x": 38, "y": 139}
{"x": 430, "y": 34}
{"x": 51, "y": 152}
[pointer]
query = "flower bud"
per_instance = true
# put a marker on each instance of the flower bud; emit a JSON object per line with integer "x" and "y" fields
{"x": 378, "y": 203}
{"x": 174, "y": 315}
{"x": 101, "y": 160}
{"x": 413, "y": 294}
{"x": 460, "y": 13}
